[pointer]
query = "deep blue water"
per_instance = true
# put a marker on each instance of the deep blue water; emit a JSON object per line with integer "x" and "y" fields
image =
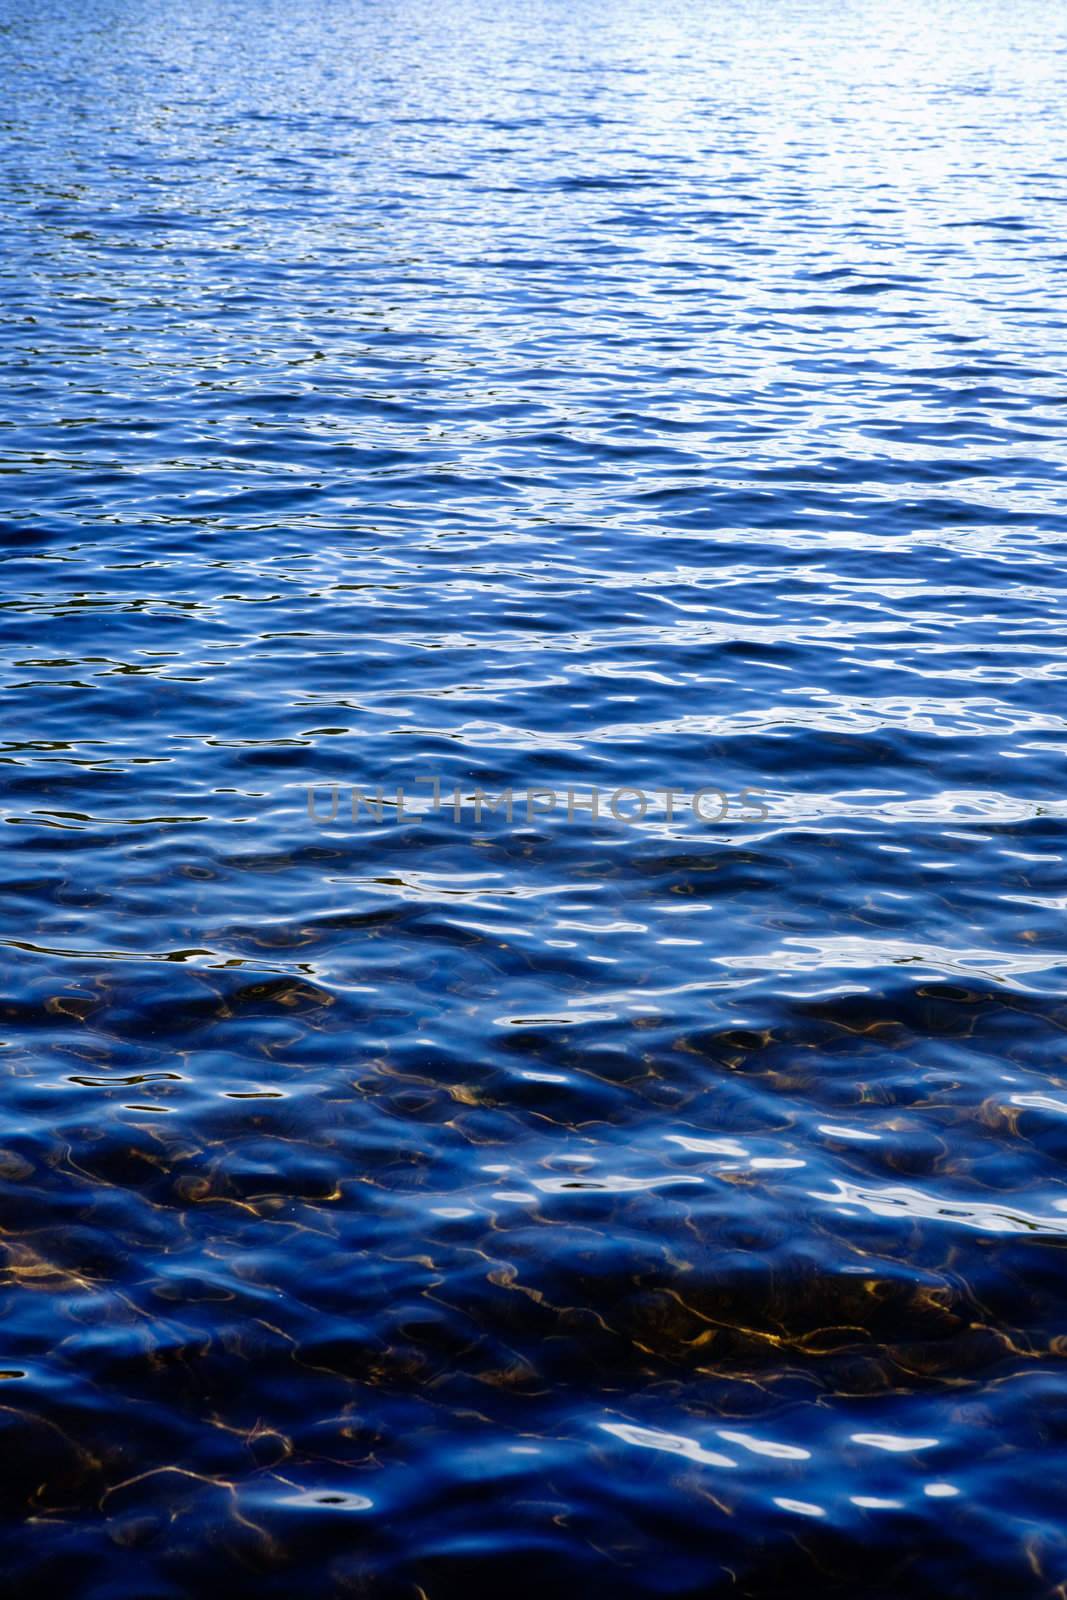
{"x": 533, "y": 396}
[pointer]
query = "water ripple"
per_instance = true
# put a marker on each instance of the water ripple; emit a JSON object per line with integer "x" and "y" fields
{"x": 533, "y": 398}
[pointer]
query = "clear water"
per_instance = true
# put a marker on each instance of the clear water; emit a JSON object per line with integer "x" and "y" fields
{"x": 534, "y": 396}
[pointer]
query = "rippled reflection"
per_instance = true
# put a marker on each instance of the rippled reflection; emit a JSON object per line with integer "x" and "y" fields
{"x": 533, "y": 396}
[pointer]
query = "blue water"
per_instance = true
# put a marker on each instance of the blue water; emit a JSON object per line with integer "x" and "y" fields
{"x": 533, "y": 396}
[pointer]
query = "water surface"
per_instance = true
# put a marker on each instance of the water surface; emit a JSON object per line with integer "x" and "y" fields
{"x": 533, "y": 396}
